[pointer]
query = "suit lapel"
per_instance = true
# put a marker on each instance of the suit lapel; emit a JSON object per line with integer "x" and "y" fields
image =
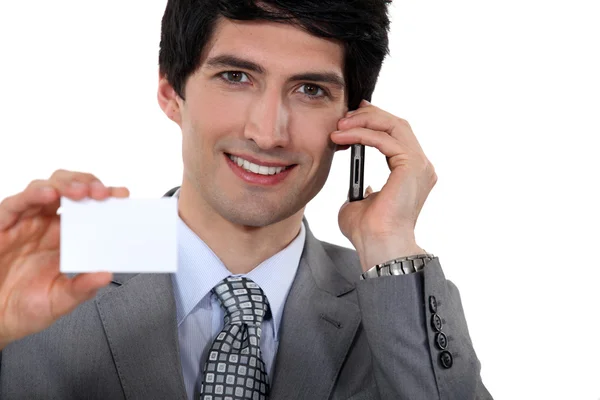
{"x": 317, "y": 327}
{"x": 139, "y": 319}
{"x": 320, "y": 320}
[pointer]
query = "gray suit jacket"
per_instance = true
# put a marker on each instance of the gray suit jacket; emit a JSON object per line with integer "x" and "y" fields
{"x": 341, "y": 338}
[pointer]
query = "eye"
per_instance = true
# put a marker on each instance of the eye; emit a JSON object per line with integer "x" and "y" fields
{"x": 234, "y": 77}
{"x": 313, "y": 91}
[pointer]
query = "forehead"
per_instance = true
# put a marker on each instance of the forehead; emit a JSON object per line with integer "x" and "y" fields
{"x": 278, "y": 47}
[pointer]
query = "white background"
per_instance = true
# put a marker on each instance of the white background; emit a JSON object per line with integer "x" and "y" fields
{"x": 504, "y": 98}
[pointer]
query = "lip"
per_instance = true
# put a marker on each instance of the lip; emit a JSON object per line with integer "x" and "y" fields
{"x": 257, "y": 179}
{"x": 260, "y": 162}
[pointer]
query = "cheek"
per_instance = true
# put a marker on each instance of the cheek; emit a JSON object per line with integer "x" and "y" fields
{"x": 321, "y": 150}
{"x": 321, "y": 169}
{"x": 313, "y": 135}
{"x": 311, "y": 129}
{"x": 213, "y": 109}
{"x": 207, "y": 121}
{"x": 326, "y": 160}
{"x": 313, "y": 123}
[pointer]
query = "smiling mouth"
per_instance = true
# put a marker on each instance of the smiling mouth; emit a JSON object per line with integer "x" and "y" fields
{"x": 257, "y": 169}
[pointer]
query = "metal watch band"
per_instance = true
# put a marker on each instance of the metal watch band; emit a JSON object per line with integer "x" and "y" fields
{"x": 398, "y": 266}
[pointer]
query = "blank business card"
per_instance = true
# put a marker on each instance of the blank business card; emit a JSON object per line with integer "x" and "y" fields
{"x": 118, "y": 235}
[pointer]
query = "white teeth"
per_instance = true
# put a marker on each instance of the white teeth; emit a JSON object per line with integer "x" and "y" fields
{"x": 253, "y": 167}
{"x": 257, "y": 169}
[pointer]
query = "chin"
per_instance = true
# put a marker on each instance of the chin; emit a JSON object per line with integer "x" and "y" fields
{"x": 257, "y": 215}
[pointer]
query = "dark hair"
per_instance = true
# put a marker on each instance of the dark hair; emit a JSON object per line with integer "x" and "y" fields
{"x": 360, "y": 25}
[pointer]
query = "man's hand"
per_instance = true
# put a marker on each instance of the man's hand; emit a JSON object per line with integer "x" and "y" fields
{"x": 381, "y": 227}
{"x": 33, "y": 292}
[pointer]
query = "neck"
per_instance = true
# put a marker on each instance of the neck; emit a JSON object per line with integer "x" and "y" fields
{"x": 240, "y": 248}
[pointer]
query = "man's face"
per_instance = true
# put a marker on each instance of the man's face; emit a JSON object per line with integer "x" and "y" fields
{"x": 266, "y": 115}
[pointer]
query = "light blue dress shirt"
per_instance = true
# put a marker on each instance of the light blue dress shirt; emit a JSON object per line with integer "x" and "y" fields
{"x": 199, "y": 314}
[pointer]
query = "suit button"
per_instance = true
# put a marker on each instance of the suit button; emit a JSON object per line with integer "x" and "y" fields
{"x": 446, "y": 359}
{"x": 436, "y": 322}
{"x": 432, "y": 304}
{"x": 441, "y": 340}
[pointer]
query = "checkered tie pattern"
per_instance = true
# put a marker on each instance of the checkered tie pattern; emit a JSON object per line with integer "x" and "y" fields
{"x": 234, "y": 369}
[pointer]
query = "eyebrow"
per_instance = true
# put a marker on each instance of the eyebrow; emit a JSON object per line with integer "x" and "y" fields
{"x": 231, "y": 61}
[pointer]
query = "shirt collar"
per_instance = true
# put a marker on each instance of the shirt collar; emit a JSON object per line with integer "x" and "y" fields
{"x": 199, "y": 270}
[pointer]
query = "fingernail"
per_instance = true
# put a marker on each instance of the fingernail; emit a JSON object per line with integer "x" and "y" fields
{"x": 77, "y": 185}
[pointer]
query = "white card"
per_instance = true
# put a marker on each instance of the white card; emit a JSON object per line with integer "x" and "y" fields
{"x": 118, "y": 235}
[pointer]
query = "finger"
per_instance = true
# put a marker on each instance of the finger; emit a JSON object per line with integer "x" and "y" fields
{"x": 383, "y": 142}
{"x": 67, "y": 175}
{"x": 77, "y": 185}
{"x": 362, "y": 107}
{"x": 368, "y": 191}
{"x": 51, "y": 208}
{"x": 119, "y": 191}
{"x": 81, "y": 184}
{"x": 378, "y": 120}
{"x": 35, "y": 196}
{"x": 84, "y": 283}
{"x": 67, "y": 293}
{"x": 43, "y": 196}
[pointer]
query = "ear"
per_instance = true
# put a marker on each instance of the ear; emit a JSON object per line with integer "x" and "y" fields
{"x": 168, "y": 100}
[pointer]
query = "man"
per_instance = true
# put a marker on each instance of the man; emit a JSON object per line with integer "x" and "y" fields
{"x": 259, "y": 308}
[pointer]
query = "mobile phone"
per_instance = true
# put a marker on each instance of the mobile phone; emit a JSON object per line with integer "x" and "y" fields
{"x": 357, "y": 172}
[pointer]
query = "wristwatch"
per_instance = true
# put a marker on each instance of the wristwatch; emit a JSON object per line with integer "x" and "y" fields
{"x": 398, "y": 266}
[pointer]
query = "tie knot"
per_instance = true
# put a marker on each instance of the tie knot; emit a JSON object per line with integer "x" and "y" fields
{"x": 243, "y": 300}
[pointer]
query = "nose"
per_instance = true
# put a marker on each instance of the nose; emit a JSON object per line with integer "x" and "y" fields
{"x": 267, "y": 123}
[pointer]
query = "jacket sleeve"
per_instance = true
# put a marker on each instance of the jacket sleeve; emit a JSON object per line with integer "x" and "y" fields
{"x": 418, "y": 337}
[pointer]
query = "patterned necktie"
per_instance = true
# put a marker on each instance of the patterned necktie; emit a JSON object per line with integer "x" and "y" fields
{"x": 234, "y": 369}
